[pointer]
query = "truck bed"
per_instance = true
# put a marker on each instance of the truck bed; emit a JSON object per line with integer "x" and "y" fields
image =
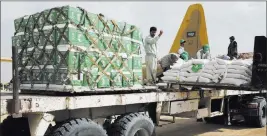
{"x": 43, "y": 103}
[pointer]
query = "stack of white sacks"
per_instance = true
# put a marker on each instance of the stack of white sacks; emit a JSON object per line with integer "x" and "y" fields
{"x": 234, "y": 72}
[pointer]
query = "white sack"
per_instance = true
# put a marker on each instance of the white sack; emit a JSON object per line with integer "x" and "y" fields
{"x": 203, "y": 80}
{"x": 233, "y": 81}
{"x": 206, "y": 75}
{"x": 209, "y": 67}
{"x": 220, "y": 66}
{"x": 222, "y": 62}
{"x": 220, "y": 71}
{"x": 200, "y": 61}
{"x": 186, "y": 65}
{"x": 170, "y": 74}
{"x": 234, "y": 71}
{"x": 178, "y": 64}
{"x": 169, "y": 78}
{"x": 191, "y": 79}
{"x": 237, "y": 76}
{"x": 245, "y": 63}
{"x": 208, "y": 71}
{"x": 241, "y": 68}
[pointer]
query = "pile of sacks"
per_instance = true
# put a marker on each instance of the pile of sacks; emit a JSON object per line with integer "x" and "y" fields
{"x": 234, "y": 72}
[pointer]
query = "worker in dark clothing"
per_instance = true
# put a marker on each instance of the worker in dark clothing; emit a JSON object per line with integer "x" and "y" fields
{"x": 167, "y": 61}
{"x": 232, "y": 48}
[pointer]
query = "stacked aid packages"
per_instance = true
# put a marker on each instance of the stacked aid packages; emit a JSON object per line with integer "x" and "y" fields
{"x": 234, "y": 72}
{"x": 72, "y": 47}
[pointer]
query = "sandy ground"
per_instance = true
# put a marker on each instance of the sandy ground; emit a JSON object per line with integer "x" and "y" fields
{"x": 189, "y": 127}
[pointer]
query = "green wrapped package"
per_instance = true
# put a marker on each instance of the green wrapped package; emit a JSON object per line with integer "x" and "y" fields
{"x": 88, "y": 62}
{"x": 136, "y": 48}
{"x": 104, "y": 63}
{"x": 76, "y": 79}
{"x": 127, "y": 80}
{"x": 127, "y": 64}
{"x": 90, "y": 80}
{"x": 138, "y": 77}
{"x": 126, "y": 46}
{"x": 136, "y": 34}
{"x": 117, "y": 78}
{"x": 104, "y": 82}
{"x": 70, "y": 46}
{"x": 47, "y": 37}
{"x": 137, "y": 62}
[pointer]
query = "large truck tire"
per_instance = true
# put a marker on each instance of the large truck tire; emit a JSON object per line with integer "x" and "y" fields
{"x": 260, "y": 120}
{"x": 134, "y": 124}
{"x": 79, "y": 127}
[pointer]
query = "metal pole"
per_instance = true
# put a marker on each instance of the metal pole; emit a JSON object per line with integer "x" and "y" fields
{"x": 15, "y": 78}
{"x": 227, "y": 119}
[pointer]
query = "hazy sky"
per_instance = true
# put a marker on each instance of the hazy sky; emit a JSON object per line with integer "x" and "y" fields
{"x": 244, "y": 20}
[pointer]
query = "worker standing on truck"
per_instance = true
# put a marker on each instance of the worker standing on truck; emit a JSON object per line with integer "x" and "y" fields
{"x": 151, "y": 50}
{"x": 181, "y": 50}
{"x": 232, "y": 48}
{"x": 167, "y": 61}
{"x": 204, "y": 53}
{"x": 183, "y": 54}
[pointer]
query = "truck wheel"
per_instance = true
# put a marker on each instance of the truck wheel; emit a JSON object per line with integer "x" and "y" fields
{"x": 79, "y": 127}
{"x": 134, "y": 124}
{"x": 260, "y": 120}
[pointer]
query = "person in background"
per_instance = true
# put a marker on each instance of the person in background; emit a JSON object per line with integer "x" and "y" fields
{"x": 167, "y": 61}
{"x": 232, "y": 48}
{"x": 183, "y": 54}
{"x": 151, "y": 49}
{"x": 181, "y": 49}
{"x": 204, "y": 53}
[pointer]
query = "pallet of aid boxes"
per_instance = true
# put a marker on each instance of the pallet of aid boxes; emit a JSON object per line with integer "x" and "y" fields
{"x": 72, "y": 47}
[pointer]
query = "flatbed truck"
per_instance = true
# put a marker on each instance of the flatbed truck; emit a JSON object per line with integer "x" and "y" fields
{"x": 133, "y": 111}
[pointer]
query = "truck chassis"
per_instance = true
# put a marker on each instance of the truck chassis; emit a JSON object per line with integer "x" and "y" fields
{"x": 50, "y": 115}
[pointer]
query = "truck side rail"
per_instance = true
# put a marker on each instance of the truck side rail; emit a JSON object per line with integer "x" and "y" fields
{"x": 217, "y": 86}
